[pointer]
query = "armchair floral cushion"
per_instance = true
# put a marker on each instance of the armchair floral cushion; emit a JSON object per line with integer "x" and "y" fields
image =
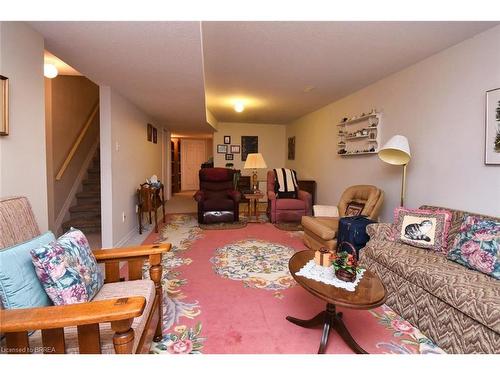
{"x": 68, "y": 269}
{"x": 477, "y": 245}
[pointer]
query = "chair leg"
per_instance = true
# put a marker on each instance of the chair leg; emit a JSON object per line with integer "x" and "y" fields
{"x": 155, "y": 273}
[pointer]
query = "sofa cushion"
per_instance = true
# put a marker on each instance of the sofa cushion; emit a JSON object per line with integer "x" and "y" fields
{"x": 471, "y": 292}
{"x": 144, "y": 288}
{"x": 19, "y": 285}
{"x": 290, "y": 204}
{"x": 67, "y": 269}
{"x": 218, "y": 205}
{"x": 477, "y": 246}
{"x": 321, "y": 227}
{"x": 427, "y": 229}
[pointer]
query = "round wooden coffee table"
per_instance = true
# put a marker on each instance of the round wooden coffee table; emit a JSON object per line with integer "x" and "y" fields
{"x": 369, "y": 293}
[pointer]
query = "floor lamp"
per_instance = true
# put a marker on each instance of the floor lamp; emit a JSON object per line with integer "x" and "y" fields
{"x": 397, "y": 152}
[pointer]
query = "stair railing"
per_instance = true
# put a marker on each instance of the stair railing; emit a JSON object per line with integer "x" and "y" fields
{"x": 78, "y": 141}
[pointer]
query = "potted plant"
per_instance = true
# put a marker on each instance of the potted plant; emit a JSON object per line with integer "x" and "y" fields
{"x": 345, "y": 266}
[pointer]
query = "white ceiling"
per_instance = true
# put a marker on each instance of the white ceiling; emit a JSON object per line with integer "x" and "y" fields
{"x": 271, "y": 63}
{"x": 156, "y": 65}
{"x": 164, "y": 69}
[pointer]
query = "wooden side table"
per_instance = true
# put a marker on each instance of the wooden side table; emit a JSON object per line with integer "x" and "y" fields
{"x": 253, "y": 198}
{"x": 150, "y": 199}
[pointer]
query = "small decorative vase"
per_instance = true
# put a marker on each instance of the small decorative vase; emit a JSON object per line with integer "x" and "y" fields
{"x": 345, "y": 275}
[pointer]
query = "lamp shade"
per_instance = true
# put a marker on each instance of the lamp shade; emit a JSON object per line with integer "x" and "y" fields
{"x": 255, "y": 161}
{"x": 396, "y": 151}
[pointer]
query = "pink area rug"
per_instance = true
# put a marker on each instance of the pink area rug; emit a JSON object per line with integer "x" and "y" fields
{"x": 229, "y": 291}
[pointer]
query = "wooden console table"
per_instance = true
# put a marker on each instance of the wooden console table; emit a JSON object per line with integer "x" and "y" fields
{"x": 149, "y": 199}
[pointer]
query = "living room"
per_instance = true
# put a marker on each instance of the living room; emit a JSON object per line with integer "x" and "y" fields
{"x": 307, "y": 130}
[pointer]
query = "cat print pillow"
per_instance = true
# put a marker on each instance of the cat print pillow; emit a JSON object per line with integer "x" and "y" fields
{"x": 422, "y": 228}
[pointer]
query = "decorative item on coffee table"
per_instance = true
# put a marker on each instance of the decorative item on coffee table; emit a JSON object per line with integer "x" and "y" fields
{"x": 323, "y": 257}
{"x": 345, "y": 266}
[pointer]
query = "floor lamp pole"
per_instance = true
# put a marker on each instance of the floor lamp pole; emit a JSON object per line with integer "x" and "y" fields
{"x": 403, "y": 185}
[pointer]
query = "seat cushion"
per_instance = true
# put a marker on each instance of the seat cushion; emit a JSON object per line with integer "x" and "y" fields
{"x": 290, "y": 204}
{"x": 19, "y": 284}
{"x": 218, "y": 205}
{"x": 145, "y": 288}
{"x": 471, "y": 292}
{"x": 319, "y": 227}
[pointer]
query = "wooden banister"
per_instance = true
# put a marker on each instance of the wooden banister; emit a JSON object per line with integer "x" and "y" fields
{"x": 77, "y": 142}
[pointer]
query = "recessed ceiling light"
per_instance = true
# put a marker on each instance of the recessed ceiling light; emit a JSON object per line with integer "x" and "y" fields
{"x": 309, "y": 88}
{"x": 50, "y": 71}
{"x": 239, "y": 107}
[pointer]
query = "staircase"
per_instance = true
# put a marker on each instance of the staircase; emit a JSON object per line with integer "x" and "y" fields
{"x": 86, "y": 214}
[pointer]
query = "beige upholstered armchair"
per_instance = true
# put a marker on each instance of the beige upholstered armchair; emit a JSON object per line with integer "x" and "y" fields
{"x": 321, "y": 231}
{"x": 123, "y": 317}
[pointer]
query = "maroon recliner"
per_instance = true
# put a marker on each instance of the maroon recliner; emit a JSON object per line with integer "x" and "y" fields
{"x": 217, "y": 199}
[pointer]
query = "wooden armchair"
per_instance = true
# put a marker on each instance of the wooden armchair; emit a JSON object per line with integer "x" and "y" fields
{"x": 124, "y": 317}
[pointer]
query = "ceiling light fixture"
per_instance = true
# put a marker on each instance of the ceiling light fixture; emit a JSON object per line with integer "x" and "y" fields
{"x": 50, "y": 71}
{"x": 239, "y": 107}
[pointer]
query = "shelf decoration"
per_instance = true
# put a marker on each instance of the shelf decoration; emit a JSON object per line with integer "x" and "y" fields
{"x": 359, "y": 135}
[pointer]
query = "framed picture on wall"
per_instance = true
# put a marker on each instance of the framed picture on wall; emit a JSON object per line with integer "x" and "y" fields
{"x": 227, "y": 139}
{"x": 222, "y": 149}
{"x": 492, "y": 132}
{"x": 291, "y": 148}
{"x": 249, "y": 145}
{"x": 150, "y": 133}
{"x": 155, "y": 135}
{"x": 229, "y": 157}
{"x": 4, "y": 105}
{"x": 235, "y": 149}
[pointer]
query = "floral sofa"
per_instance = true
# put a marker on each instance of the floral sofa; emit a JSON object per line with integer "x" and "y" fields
{"x": 456, "y": 307}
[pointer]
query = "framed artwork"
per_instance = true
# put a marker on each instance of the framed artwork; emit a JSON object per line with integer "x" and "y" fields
{"x": 249, "y": 145}
{"x": 235, "y": 149}
{"x": 155, "y": 135}
{"x": 4, "y": 105}
{"x": 291, "y": 148}
{"x": 227, "y": 139}
{"x": 150, "y": 133}
{"x": 492, "y": 131}
{"x": 229, "y": 157}
{"x": 222, "y": 149}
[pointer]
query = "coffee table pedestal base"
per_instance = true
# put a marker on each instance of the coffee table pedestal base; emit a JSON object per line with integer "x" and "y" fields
{"x": 330, "y": 319}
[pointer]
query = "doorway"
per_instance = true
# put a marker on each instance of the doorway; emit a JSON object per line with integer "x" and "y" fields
{"x": 193, "y": 154}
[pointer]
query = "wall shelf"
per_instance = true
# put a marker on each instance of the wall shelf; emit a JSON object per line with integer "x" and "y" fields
{"x": 360, "y": 135}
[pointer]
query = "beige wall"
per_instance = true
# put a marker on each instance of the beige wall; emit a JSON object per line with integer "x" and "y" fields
{"x": 69, "y": 100}
{"x": 439, "y": 105}
{"x": 127, "y": 159}
{"x": 22, "y": 153}
{"x": 272, "y": 144}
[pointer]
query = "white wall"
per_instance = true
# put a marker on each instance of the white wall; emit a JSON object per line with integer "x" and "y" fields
{"x": 127, "y": 159}
{"x": 272, "y": 144}
{"x": 22, "y": 152}
{"x": 439, "y": 105}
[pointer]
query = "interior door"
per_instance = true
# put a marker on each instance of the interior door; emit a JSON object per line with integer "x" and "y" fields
{"x": 193, "y": 154}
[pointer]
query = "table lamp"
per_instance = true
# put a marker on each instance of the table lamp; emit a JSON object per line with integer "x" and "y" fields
{"x": 397, "y": 152}
{"x": 255, "y": 161}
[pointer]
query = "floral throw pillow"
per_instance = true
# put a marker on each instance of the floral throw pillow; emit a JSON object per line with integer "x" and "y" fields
{"x": 426, "y": 229}
{"x": 67, "y": 269}
{"x": 477, "y": 245}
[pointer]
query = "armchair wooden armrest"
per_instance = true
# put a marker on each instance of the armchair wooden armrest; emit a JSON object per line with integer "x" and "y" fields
{"x": 135, "y": 257}
{"x": 19, "y": 320}
{"x": 120, "y": 312}
{"x": 120, "y": 253}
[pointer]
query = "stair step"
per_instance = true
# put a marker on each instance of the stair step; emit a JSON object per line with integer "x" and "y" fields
{"x": 94, "y": 170}
{"x": 92, "y": 181}
{"x": 95, "y": 194}
{"x": 85, "y": 224}
{"x": 96, "y": 208}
